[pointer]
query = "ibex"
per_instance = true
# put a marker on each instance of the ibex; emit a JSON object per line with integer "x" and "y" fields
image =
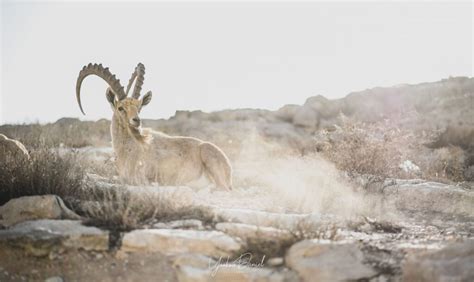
{"x": 144, "y": 155}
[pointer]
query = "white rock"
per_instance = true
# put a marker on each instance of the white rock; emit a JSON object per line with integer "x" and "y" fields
{"x": 54, "y": 279}
{"x": 180, "y": 224}
{"x": 327, "y": 261}
{"x": 275, "y": 261}
{"x": 260, "y": 218}
{"x": 198, "y": 268}
{"x": 452, "y": 263}
{"x": 42, "y": 237}
{"x": 423, "y": 196}
{"x": 180, "y": 241}
{"x": 34, "y": 207}
{"x": 253, "y": 232}
{"x": 409, "y": 167}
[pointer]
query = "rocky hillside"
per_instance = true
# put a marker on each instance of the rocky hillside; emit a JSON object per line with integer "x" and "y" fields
{"x": 430, "y": 124}
{"x": 425, "y": 106}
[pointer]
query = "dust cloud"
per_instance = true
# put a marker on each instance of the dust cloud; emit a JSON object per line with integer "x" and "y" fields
{"x": 278, "y": 180}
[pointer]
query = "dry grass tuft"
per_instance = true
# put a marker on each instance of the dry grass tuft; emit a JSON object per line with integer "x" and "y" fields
{"x": 47, "y": 172}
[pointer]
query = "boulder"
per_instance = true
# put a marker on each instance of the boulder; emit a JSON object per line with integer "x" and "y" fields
{"x": 201, "y": 268}
{"x": 34, "y": 207}
{"x": 245, "y": 273}
{"x": 452, "y": 263}
{"x": 180, "y": 241}
{"x": 422, "y": 196}
{"x": 325, "y": 261}
{"x": 45, "y": 237}
{"x": 270, "y": 241}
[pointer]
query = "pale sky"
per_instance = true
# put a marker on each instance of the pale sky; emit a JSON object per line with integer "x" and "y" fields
{"x": 214, "y": 56}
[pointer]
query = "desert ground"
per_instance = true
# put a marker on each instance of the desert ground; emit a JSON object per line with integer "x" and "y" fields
{"x": 375, "y": 186}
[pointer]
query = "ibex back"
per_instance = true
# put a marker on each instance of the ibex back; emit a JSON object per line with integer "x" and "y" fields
{"x": 144, "y": 155}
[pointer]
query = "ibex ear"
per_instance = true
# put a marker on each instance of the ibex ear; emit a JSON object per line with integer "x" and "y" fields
{"x": 110, "y": 97}
{"x": 146, "y": 98}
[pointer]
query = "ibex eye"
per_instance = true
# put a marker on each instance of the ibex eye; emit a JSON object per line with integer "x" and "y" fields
{"x": 121, "y": 109}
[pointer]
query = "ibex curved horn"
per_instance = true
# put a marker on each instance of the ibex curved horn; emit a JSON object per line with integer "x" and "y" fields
{"x": 105, "y": 74}
{"x": 139, "y": 74}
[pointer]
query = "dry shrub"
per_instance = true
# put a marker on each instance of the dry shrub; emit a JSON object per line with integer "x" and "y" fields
{"x": 364, "y": 149}
{"x": 380, "y": 148}
{"x": 47, "y": 172}
{"x": 119, "y": 209}
{"x": 100, "y": 201}
{"x": 122, "y": 210}
{"x": 105, "y": 168}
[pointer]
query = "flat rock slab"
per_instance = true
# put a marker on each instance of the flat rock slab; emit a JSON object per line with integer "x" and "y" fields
{"x": 42, "y": 237}
{"x": 180, "y": 224}
{"x": 198, "y": 268}
{"x": 253, "y": 232}
{"x": 180, "y": 241}
{"x": 452, "y": 263}
{"x": 260, "y": 218}
{"x": 234, "y": 273}
{"x": 324, "y": 261}
{"x": 418, "y": 195}
{"x": 34, "y": 207}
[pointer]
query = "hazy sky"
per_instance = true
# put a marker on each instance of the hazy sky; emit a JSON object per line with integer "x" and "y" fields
{"x": 214, "y": 56}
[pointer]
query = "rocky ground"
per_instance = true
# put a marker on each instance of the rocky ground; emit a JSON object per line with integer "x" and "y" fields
{"x": 426, "y": 234}
{"x": 376, "y": 186}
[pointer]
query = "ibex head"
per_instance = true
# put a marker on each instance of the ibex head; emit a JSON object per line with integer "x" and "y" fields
{"x": 127, "y": 109}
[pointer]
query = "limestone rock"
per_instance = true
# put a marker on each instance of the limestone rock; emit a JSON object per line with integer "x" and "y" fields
{"x": 180, "y": 224}
{"x": 418, "y": 195}
{"x": 201, "y": 268}
{"x": 277, "y": 261}
{"x": 34, "y": 207}
{"x": 54, "y": 279}
{"x": 253, "y": 232}
{"x": 180, "y": 241}
{"x": 452, "y": 263}
{"x": 260, "y": 218}
{"x": 43, "y": 237}
{"x": 323, "y": 261}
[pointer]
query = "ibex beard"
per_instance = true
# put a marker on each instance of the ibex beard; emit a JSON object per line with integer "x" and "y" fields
{"x": 143, "y": 155}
